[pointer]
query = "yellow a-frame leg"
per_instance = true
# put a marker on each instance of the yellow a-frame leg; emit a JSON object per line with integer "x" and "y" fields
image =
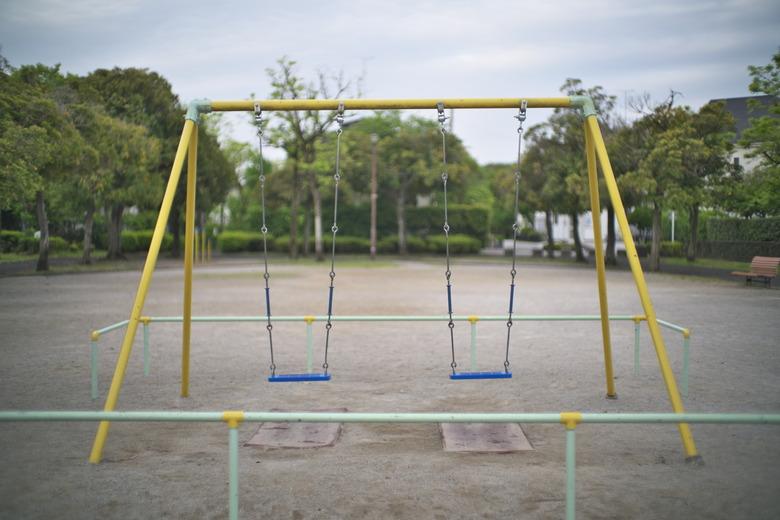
{"x": 143, "y": 288}
{"x": 593, "y": 185}
{"x": 189, "y": 237}
{"x": 595, "y": 138}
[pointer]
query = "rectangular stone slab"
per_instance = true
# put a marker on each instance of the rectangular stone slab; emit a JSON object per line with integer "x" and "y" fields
{"x": 483, "y": 437}
{"x": 275, "y": 435}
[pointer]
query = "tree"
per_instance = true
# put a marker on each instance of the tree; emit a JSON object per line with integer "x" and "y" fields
{"x": 141, "y": 98}
{"x": 297, "y": 133}
{"x": 35, "y": 122}
{"x": 659, "y": 174}
{"x": 760, "y": 193}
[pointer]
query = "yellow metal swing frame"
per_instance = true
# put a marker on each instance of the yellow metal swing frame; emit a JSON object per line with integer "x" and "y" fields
{"x": 596, "y": 153}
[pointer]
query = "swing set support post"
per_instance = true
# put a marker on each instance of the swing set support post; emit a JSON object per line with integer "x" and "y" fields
{"x": 190, "y": 239}
{"x": 597, "y": 140}
{"x": 143, "y": 288}
{"x": 593, "y": 185}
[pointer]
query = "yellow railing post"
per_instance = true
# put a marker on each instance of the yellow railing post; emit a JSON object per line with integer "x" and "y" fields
{"x": 189, "y": 237}
{"x": 593, "y": 185}
{"x": 639, "y": 278}
{"x": 143, "y": 288}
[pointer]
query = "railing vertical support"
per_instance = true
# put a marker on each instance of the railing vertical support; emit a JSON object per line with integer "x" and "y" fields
{"x": 93, "y": 365}
{"x": 309, "y": 343}
{"x": 146, "y": 347}
{"x": 570, "y": 420}
{"x": 686, "y": 361}
{"x": 233, "y": 418}
{"x": 473, "y": 320}
{"x": 637, "y": 331}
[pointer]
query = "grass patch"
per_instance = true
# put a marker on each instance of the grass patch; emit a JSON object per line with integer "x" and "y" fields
{"x": 707, "y": 262}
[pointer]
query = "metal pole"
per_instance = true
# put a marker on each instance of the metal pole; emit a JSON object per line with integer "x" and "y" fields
{"x": 146, "y": 347}
{"x": 473, "y": 343}
{"x": 636, "y": 347}
{"x": 686, "y": 363}
{"x": 641, "y": 284}
{"x": 93, "y": 363}
{"x": 601, "y": 275}
{"x": 272, "y": 105}
{"x": 190, "y": 240}
{"x": 143, "y": 288}
{"x": 374, "y": 195}
{"x": 233, "y": 470}
{"x": 309, "y": 344}
{"x": 571, "y": 463}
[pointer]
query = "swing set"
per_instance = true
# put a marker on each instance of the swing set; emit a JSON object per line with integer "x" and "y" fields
{"x": 595, "y": 149}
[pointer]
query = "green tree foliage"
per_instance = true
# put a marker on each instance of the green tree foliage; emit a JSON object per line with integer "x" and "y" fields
{"x": 760, "y": 192}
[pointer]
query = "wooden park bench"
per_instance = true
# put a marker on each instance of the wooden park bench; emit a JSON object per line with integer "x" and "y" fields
{"x": 762, "y": 268}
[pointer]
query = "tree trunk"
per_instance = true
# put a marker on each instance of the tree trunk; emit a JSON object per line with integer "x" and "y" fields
{"x": 294, "y": 204}
{"x": 550, "y": 239}
{"x": 43, "y": 226}
{"x": 307, "y": 230}
{"x": 89, "y": 220}
{"x": 655, "y": 249}
{"x": 610, "y": 258}
{"x": 575, "y": 225}
{"x": 401, "y": 216}
{"x": 175, "y": 223}
{"x": 317, "y": 206}
{"x": 115, "y": 233}
{"x": 693, "y": 239}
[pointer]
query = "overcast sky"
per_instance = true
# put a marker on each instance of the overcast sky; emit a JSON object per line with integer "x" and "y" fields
{"x": 220, "y": 50}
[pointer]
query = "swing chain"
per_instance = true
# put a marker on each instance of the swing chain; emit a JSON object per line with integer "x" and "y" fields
{"x": 442, "y": 118}
{"x": 521, "y": 115}
{"x": 264, "y": 229}
{"x": 335, "y": 229}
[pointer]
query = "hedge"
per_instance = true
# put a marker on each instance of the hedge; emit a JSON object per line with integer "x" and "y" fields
{"x": 135, "y": 241}
{"x": 747, "y": 230}
{"x": 414, "y": 244}
{"x": 459, "y": 244}
{"x": 236, "y": 241}
{"x": 737, "y": 250}
{"x": 464, "y": 219}
{"x": 20, "y": 242}
{"x": 669, "y": 248}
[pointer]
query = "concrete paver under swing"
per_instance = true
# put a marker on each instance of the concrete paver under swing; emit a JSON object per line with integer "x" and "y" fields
{"x": 276, "y": 435}
{"x": 483, "y": 438}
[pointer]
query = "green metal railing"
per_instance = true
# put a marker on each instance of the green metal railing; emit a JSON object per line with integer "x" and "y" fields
{"x": 309, "y": 320}
{"x": 233, "y": 418}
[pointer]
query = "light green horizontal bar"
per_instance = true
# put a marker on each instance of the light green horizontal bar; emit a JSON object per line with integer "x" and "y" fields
{"x": 672, "y": 326}
{"x": 575, "y": 317}
{"x": 325, "y": 417}
{"x": 115, "y": 326}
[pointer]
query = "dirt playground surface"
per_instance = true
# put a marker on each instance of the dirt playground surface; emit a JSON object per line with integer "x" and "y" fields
{"x": 166, "y": 470}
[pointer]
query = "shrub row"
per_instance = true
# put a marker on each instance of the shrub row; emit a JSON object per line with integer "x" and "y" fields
{"x": 20, "y": 242}
{"x": 747, "y": 230}
{"x": 737, "y": 250}
{"x": 671, "y": 249}
{"x": 135, "y": 241}
{"x": 238, "y": 241}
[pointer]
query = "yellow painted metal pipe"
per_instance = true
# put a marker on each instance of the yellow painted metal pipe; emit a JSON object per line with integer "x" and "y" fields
{"x": 189, "y": 237}
{"x": 387, "y": 104}
{"x": 143, "y": 288}
{"x": 595, "y": 205}
{"x": 639, "y": 278}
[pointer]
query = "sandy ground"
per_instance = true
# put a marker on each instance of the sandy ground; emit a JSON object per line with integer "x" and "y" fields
{"x": 387, "y": 471}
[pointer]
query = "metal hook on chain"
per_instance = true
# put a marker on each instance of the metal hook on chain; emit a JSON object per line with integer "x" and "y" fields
{"x": 521, "y": 115}
{"x": 442, "y": 118}
{"x": 340, "y": 117}
{"x": 259, "y": 119}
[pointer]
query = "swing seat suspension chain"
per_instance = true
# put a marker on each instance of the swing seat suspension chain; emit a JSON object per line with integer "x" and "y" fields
{"x": 448, "y": 272}
{"x": 513, "y": 272}
{"x": 264, "y": 230}
{"x": 334, "y": 229}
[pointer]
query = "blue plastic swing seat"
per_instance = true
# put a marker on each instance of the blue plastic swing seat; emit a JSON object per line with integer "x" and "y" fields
{"x": 481, "y": 375}
{"x": 296, "y": 378}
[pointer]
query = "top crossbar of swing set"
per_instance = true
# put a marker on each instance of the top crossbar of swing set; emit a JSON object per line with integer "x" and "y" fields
{"x": 202, "y": 106}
